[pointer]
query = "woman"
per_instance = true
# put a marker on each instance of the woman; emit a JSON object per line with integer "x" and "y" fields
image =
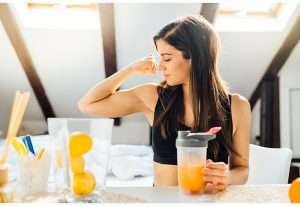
{"x": 192, "y": 96}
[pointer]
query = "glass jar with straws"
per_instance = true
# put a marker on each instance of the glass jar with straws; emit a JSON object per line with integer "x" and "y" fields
{"x": 18, "y": 109}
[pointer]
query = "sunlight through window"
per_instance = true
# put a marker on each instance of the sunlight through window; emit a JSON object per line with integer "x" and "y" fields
{"x": 59, "y": 15}
{"x": 254, "y": 16}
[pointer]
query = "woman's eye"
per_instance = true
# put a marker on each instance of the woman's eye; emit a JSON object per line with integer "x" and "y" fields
{"x": 167, "y": 60}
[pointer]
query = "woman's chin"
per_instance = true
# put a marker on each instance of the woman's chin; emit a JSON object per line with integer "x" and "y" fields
{"x": 170, "y": 83}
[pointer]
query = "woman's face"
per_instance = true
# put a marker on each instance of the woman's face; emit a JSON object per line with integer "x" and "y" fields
{"x": 174, "y": 67}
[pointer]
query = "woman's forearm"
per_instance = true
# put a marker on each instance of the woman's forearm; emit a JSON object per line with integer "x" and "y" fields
{"x": 106, "y": 87}
{"x": 238, "y": 175}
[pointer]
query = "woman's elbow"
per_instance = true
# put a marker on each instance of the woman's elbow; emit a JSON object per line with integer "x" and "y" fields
{"x": 245, "y": 175}
{"x": 82, "y": 106}
{"x": 91, "y": 109}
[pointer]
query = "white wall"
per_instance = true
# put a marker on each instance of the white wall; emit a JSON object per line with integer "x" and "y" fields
{"x": 12, "y": 79}
{"x": 255, "y": 124}
{"x": 290, "y": 101}
{"x": 288, "y": 73}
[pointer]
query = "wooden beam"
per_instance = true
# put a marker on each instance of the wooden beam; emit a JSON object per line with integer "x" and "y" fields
{"x": 294, "y": 173}
{"x": 107, "y": 21}
{"x": 279, "y": 59}
{"x": 276, "y": 114}
{"x": 270, "y": 114}
{"x": 15, "y": 36}
{"x": 209, "y": 11}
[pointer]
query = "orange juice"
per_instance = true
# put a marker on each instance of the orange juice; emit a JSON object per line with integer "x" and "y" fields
{"x": 190, "y": 178}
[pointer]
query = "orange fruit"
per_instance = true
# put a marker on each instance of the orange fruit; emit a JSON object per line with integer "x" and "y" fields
{"x": 77, "y": 164}
{"x": 84, "y": 183}
{"x": 294, "y": 191}
{"x": 79, "y": 143}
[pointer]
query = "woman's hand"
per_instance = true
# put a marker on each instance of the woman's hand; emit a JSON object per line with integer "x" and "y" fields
{"x": 145, "y": 65}
{"x": 216, "y": 176}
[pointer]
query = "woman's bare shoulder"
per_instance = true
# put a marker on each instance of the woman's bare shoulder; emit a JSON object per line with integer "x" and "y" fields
{"x": 147, "y": 87}
{"x": 240, "y": 110}
{"x": 147, "y": 93}
{"x": 239, "y": 101}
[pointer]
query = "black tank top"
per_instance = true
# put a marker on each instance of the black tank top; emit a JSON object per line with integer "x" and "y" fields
{"x": 165, "y": 151}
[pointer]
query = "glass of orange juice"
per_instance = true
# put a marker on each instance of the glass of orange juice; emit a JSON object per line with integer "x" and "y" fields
{"x": 89, "y": 168}
{"x": 191, "y": 160}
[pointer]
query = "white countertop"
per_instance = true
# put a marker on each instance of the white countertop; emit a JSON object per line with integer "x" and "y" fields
{"x": 233, "y": 194}
{"x": 161, "y": 194}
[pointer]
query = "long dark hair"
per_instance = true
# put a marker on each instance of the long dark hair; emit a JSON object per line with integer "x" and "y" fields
{"x": 197, "y": 40}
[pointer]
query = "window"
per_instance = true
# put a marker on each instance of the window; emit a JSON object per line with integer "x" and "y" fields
{"x": 265, "y": 15}
{"x": 59, "y": 15}
{"x": 260, "y": 9}
{"x": 89, "y": 6}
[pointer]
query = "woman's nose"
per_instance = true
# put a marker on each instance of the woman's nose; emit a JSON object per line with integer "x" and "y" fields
{"x": 161, "y": 67}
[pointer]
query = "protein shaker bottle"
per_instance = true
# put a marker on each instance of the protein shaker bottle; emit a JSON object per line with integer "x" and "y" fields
{"x": 191, "y": 160}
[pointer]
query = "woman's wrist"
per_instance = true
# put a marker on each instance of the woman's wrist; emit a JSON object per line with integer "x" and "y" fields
{"x": 237, "y": 176}
{"x": 229, "y": 177}
{"x": 142, "y": 66}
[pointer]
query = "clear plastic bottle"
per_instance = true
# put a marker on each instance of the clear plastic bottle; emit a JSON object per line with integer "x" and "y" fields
{"x": 191, "y": 160}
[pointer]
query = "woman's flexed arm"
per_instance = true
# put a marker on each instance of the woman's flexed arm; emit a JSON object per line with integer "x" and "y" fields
{"x": 103, "y": 100}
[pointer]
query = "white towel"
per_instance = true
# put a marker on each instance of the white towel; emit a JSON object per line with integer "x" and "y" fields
{"x": 135, "y": 150}
{"x": 128, "y": 167}
{"x": 129, "y": 161}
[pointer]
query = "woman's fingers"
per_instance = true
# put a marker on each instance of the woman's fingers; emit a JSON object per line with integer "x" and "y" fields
{"x": 150, "y": 64}
{"x": 215, "y": 175}
{"x": 215, "y": 172}
{"x": 145, "y": 65}
{"x": 215, "y": 179}
{"x": 211, "y": 188}
{"x": 154, "y": 63}
{"x": 216, "y": 165}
